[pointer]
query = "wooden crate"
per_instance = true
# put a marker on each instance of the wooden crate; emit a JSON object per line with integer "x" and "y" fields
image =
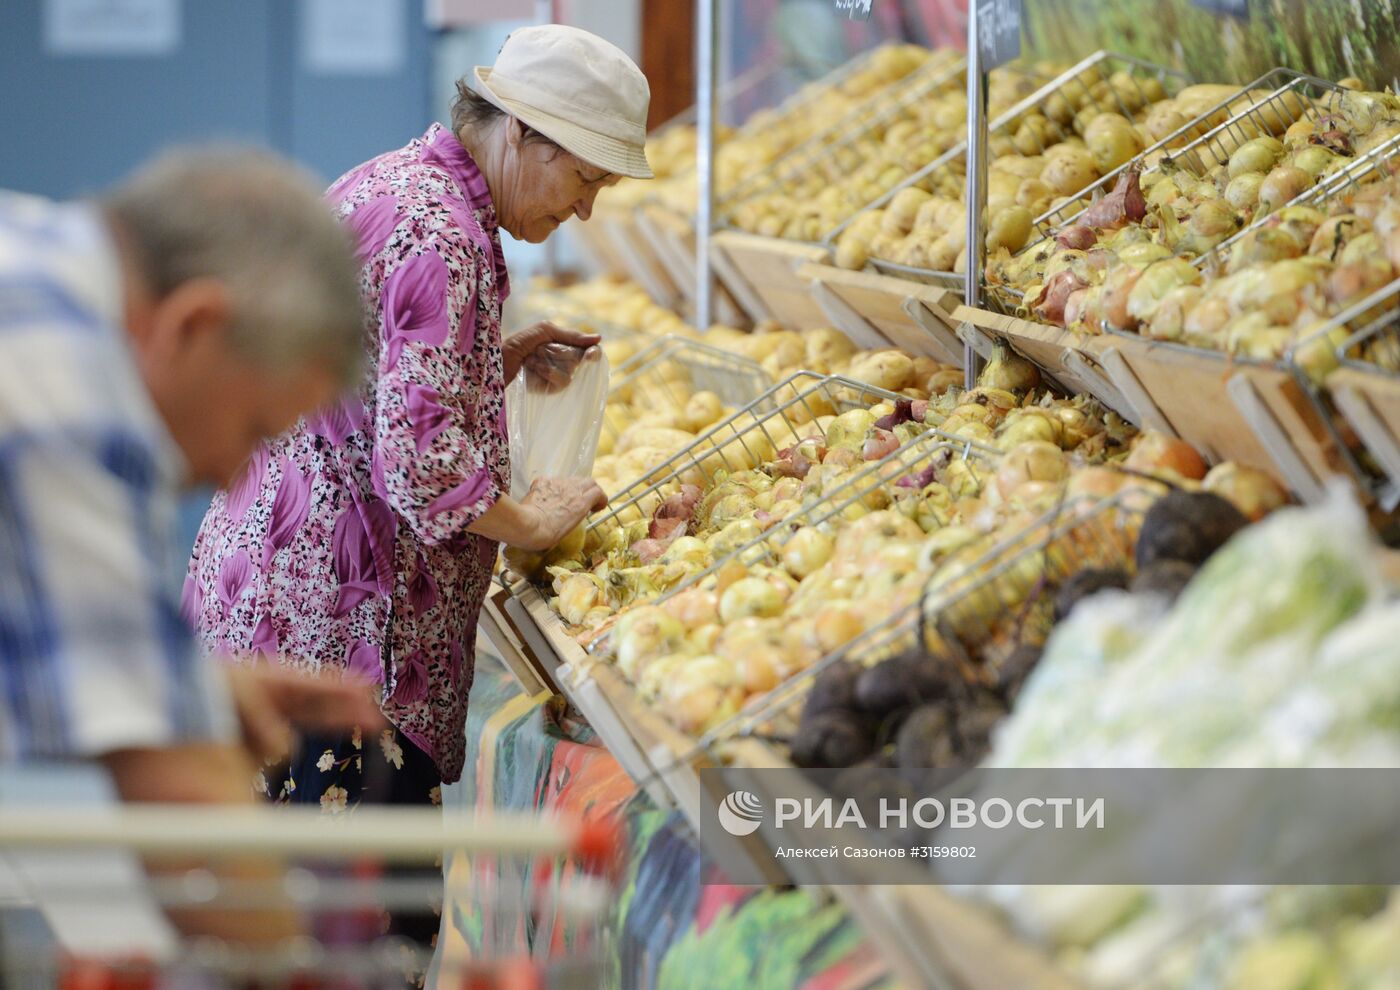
{"x": 597, "y": 242}
{"x": 1071, "y": 359}
{"x": 532, "y": 673}
{"x": 882, "y": 311}
{"x": 1256, "y": 414}
{"x": 671, "y": 238}
{"x": 761, "y": 274}
{"x": 616, "y": 225}
{"x": 1370, "y": 401}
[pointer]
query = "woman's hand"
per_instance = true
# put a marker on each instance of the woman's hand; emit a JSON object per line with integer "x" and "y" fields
{"x": 551, "y": 352}
{"x": 560, "y": 504}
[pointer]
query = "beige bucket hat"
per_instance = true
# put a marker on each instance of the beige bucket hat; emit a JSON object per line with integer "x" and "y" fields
{"x": 576, "y": 89}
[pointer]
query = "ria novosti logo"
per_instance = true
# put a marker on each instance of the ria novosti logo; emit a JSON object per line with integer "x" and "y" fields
{"x": 741, "y": 813}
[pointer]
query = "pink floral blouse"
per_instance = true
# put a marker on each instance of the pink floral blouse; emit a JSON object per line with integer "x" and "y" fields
{"x": 345, "y": 544}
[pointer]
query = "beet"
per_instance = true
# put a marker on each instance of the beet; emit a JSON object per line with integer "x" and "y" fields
{"x": 1167, "y": 578}
{"x": 1187, "y": 526}
{"x": 1085, "y": 583}
{"x": 902, "y": 682}
{"x": 832, "y": 739}
{"x": 833, "y": 690}
{"x": 925, "y": 741}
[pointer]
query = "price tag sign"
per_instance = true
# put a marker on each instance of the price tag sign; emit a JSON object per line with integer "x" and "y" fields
{"x": 856, "y": 10}
{"x": 1235, "y": 8}
{"x": 998, "y": 32}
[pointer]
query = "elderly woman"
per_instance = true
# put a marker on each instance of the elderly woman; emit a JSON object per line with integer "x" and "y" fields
{"x": 364, "y": 539}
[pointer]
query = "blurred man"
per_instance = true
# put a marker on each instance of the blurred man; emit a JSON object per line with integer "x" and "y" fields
{"x": 149, "y": 341}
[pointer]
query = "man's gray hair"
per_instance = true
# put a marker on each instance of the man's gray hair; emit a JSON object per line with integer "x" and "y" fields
{"x": 257, "y": 223}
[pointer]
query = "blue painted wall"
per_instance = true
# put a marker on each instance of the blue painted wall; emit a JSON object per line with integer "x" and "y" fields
{"x": 69, "y": 125}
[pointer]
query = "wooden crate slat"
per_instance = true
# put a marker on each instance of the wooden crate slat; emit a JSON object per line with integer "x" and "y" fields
{"x": 1370, "y": 401}
{"x": 761, "y": 273}
{"x": 907, "y": 315}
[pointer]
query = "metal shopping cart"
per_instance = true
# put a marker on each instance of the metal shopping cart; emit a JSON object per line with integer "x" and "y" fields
{"x": 79, "y": 911}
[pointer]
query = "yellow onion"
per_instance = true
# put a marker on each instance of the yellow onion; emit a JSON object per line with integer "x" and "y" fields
{"x": 1243, "y": 191}
{"x": 751, "y": 597}
{"x": 1027, "y": 425}
{"x": 1281, "y": 186}
{"x": 1255, "y": 493}
{"x": 1032, "y": 461}
{"x": 1156, "y": 281}
{"x": 807, "y": 550}
{"x": 577, "y": 595}
{"x": 1168, "y": 321}
{"x": 693, "y": 607}
{"x": 642, "y": 634}
{"x": 701, "y": 693}
{"x": 1258, "y": 155}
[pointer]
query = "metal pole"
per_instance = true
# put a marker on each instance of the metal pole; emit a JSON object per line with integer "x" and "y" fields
{"x": 706, "y": 56}
{"x": 976, "y": 178}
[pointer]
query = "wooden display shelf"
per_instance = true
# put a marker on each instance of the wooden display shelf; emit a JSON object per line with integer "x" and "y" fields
{"x": 1370, "y": 401}
{"x": 877, "y": 311}
{"x": 671, "y": 238}
{"x": 1257, "y": 414}
{"x": 615, "y": 230}
{"x": 1071, "y": 359}
{"x": 761, "y": 274}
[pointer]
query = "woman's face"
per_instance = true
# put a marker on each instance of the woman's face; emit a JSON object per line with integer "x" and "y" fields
{"x": 548, "y": 185}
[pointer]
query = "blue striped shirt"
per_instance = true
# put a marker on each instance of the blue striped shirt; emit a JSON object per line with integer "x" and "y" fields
{"x": 94, "y": 655}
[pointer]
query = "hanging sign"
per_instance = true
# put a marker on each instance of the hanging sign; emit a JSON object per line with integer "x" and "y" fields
{"x": 998, "y": 32}
{"x": 856, "y": 10}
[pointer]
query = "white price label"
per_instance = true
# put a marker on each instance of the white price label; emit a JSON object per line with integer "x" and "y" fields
{"x": 998, "y": 32}
{"x": 856, "y": 10}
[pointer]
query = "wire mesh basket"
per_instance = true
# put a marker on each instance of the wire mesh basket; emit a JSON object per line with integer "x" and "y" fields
{"x": 86, "y": 914}
{"x": 1215, "y": 123}
{"x": 975, "y": 612}
{"x": 834, "y": 151}
{"x": 1142, "y": 83}
{"x": 741, "y": 441}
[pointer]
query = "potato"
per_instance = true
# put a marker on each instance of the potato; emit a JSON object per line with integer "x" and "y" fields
{"x": 891, "y": 370}
{"x": 828, "y": 344}
{"x": 903, "y": 209}
{"x": 1009, "y": 228}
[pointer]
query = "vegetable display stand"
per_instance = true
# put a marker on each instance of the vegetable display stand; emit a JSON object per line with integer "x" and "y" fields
{"x": 1071, "y": 359}
{"x": 1366, "y": 388}
{"x": 1370, "y": 401}
{"x": 502, "y": 629}
{"x": 672, "y": 240}
{"x": 879, "y": 311}
{"x": 616, "y": 227}
{"x": 1229, "y": 409}
{"x": 761, "y": 274}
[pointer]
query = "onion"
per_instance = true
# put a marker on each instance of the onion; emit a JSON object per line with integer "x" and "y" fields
{"x": 1155, "y": 452}
{"x": 880, "y": 443}
{"x": 1258, "y": 155}
{"x": 1050, "y": 304}
{"x": 757, "y": 673}
{"x": 750, "y": 597}
{"x": 693, "y": 608}
{"x": 1255, "y": 493}
{"x": 807, "y": 550}
{"x": 1156, "y": 281}
{"x": 1169, "y": 320}
{"x": 1008, "y": 370}
{"x": 1097, "y": 481}
{"x": 1078, "y": 237}
{"x": 1027, "y": 428}
{"x": 1313, "y": 159}
{"x": 841, "y": 457}
{"x": 1116, "y": 290}
{"x": 1122, "y": 206}
{"x": 1075, "y": 306}
{"x": 1033, "y": 461}
{"x": 1243, "y": 191}
{"x": 1333, "y": 234}
{"x": 835, "y": 627}
{"x": 1281, "y": 186}
{"x": 643, "y": 634}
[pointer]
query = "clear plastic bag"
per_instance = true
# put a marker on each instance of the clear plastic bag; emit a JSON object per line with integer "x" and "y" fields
{"x": 554, "y": 427}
